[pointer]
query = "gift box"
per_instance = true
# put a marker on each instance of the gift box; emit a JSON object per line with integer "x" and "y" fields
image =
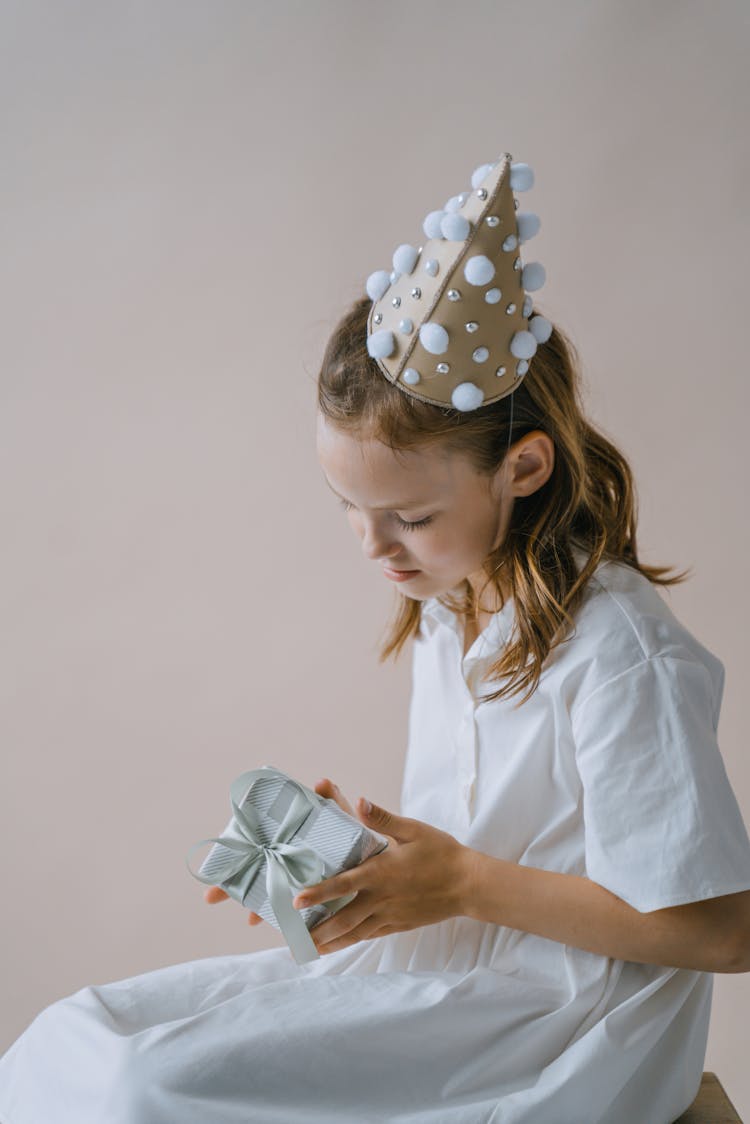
{"x": 282, "y": 837}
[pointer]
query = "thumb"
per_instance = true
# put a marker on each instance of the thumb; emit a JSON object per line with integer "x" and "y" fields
{"x": 399, "y": 827}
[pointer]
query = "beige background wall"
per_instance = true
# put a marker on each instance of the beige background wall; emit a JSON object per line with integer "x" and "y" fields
{"x": 191, "y": 194}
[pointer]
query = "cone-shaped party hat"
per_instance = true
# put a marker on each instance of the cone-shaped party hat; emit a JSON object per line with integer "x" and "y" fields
{"x": 451, "y": 323}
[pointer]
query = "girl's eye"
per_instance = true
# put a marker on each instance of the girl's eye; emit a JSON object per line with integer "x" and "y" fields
{"x": 402, "y": 522}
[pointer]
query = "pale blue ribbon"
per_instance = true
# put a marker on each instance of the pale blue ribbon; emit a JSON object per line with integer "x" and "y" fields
{"x": 288, "y": 863}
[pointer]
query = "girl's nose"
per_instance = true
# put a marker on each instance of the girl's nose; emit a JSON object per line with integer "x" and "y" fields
{"x": 376, "y": 545}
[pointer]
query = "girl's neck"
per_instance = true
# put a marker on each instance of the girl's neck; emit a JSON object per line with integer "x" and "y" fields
{"x": 487, "y": 599}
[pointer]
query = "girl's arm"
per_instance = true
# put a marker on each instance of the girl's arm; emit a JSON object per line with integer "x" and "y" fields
{"x": 426, "y": 875}
{"x": 712, "y": 935}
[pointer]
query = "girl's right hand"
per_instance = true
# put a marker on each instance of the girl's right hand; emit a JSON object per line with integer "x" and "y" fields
{"x": 324, "y": 788}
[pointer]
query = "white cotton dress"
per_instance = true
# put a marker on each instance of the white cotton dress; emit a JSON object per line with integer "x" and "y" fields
{"x": 611, "y": 770}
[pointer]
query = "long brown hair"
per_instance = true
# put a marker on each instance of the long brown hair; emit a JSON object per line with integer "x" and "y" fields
{"x": 589, "y": 502}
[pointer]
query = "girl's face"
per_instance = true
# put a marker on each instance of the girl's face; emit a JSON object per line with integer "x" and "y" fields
{"x": 426, "y": 511}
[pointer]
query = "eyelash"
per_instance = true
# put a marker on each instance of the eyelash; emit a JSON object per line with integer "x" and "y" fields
{"x": 407, "y": 526}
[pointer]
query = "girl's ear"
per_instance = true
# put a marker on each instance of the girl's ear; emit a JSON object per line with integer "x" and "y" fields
{"x": 530, "y": 463}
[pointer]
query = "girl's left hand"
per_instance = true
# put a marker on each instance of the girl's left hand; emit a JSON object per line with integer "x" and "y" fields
{"x": 419, "y": 879}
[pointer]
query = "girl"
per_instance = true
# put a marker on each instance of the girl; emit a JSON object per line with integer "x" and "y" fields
{"x": 569, "y": 865}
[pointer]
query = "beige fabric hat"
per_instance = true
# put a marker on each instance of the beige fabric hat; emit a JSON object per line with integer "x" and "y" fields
{"x": 451, "y": 323}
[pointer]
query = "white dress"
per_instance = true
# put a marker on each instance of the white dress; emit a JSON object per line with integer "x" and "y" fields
{"x": 611, "y": 770}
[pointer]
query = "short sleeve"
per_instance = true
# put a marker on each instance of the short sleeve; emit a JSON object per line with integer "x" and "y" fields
{"x": 662, "y": 824}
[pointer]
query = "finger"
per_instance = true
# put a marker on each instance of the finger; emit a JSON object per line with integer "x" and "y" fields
{"x": 336, "y": 887}
{"x": 215, "y": 894}
{"x": 340, "y": 931}
{"x": 331, "y": 791}
{"x": 323, "y": 891}
{"x": 340, "y": 923}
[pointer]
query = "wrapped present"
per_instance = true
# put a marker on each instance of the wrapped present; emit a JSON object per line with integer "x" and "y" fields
{"x": 282, "y": 837}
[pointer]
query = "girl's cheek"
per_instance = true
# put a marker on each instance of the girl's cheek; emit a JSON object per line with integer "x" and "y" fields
{"x": 438, "y": 545}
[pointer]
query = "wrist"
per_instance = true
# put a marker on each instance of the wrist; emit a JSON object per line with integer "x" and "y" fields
{"x": 469, "y": 882}
{"x": 490, "y": 888}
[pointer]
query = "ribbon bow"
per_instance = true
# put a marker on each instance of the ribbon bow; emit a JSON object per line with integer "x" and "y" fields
{"x": 288, "y": 863}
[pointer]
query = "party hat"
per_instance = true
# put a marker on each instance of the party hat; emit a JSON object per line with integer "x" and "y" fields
{"x": 452, "y": 322}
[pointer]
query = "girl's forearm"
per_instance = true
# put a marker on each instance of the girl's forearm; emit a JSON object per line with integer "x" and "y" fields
{"x": 579, "y": 912}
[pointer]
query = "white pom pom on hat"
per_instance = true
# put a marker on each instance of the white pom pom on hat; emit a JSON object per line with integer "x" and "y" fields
{"x": 533, "y": 276}
{"x": 434, "y": 338}
{"x": 540, "y": 328}
{"x": 381, "y": 344}
{"x": 479, "y": 174}
{"x": 521, "y": 177}
{"x": 377, "y": 283}
{"x": 455, "y": 228}
{"x": 523, "y": 345}
{"x": 467, "y": 396}
{"x": 479, "y": 270}
{"x": 405, "y": 258}
{"x": 431, "y": 224}
{"x": 528, "y": 225}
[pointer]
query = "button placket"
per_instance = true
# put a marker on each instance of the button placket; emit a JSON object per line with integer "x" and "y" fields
{"x": 467, "y": 738}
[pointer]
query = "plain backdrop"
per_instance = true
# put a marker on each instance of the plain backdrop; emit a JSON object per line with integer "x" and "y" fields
{"x": 190, "y": 195}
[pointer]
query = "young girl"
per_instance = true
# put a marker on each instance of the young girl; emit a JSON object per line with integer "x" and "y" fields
{"x": 569, "y": 865}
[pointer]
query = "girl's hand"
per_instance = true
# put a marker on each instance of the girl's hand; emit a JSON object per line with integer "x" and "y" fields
{"x": 323, "y": 788}
{"x": 419, "y": 879}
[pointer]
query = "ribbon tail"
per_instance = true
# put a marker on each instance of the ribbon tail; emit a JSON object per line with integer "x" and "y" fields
{"x": 290, "y": 920}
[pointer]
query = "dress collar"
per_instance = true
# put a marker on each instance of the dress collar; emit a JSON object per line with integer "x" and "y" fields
{"x": 496, "y": 632}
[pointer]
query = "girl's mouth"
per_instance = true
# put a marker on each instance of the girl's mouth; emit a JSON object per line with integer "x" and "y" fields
{"x": 399, "y": 575}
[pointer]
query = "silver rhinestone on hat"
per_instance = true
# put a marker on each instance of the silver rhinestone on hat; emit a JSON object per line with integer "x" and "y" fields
{"x": 510, "y": 309}
{"x": 453, "y": 295}
{"x": 482, "y": 193}
{"x": 517, "y": 264}
{"x": 378, "y": 317}
{"x": 500, "y": 371}
{"x": 472, "y": 326}
{"x": 480, "y": 354}
{"x": 416, "y": 292}
{"x": 492, "y": 220}
{"x": 396, "y": 302}
{"x": 443, "y": 368}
